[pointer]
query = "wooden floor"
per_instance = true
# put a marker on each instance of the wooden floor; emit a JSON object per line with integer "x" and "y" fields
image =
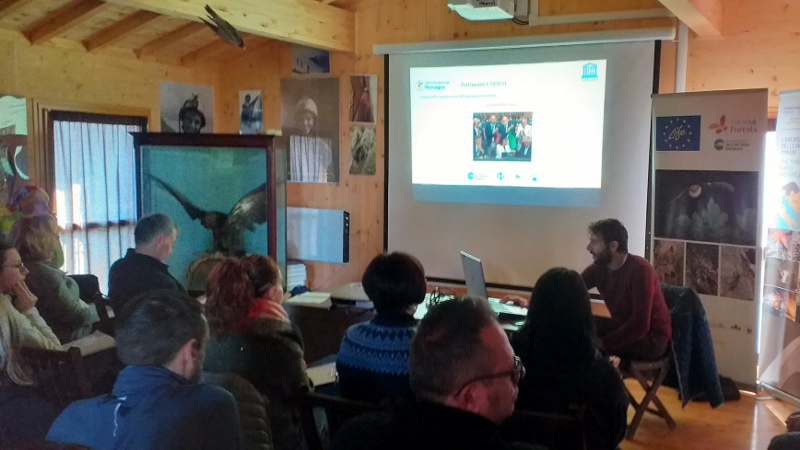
{"x": 748, "y": 424}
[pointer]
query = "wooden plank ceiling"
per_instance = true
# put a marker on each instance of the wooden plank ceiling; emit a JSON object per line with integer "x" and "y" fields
{"x": 170, "y": 32}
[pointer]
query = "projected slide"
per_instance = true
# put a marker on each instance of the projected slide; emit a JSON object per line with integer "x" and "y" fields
{"x": 535, "y": 126}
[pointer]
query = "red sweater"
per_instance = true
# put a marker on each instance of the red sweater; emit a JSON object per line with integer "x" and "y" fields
{"x": 633, "y": 295}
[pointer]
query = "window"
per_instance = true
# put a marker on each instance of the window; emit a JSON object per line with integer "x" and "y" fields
{"x": 95, "y": 189}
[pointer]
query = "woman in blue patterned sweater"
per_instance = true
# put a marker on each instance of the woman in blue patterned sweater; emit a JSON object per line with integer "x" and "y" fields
{"x": 373, "y": 359}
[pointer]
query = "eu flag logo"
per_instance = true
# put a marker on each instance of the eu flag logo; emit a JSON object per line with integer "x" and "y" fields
{"x": 678, "y": 134}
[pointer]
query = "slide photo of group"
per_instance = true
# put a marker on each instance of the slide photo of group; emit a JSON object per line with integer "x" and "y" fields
{"x": 782, "y": 272}
{"x": 505, "y": 136}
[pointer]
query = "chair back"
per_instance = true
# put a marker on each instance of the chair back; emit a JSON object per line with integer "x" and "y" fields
{"x": 337, "y": 410}
{"x": 60, "y": 376}
{"x": 252, "y": 407}
{"x": 561, "y": 430}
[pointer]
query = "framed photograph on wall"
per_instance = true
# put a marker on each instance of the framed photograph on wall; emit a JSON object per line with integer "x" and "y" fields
{"x": 310, "y": 126}
{"x": 186, "y": 108}
{"x": 363, "y": 99}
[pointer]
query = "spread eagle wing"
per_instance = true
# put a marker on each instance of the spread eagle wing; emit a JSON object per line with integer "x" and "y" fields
{"x": 193, "y": 211}
{"x": 250, "y": 210}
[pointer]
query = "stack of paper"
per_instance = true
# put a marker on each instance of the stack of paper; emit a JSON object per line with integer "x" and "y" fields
{"x": 312, "y": 299}
{"x": 91, "y": 344}
{"x": 322, "y": 375}
{"x": 295, "y": 275}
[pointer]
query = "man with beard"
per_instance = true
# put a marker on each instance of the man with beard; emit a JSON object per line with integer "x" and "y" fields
{"x": 640, "y": 324}
{"x": 156, "y": 401}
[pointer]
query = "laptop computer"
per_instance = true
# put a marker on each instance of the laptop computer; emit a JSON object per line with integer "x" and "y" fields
{"x": 476, "y": 286}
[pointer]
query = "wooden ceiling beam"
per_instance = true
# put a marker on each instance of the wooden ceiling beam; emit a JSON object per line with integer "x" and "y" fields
{"x": 704, "y": 17}
{"x": 119, "y": 30}
{"x": 149, "y": 49}
{"x": 60, "y": 21}
{"x": 9, "y": 7}
{"x": 214, "y": 50}
{"x": 305, "y": 22}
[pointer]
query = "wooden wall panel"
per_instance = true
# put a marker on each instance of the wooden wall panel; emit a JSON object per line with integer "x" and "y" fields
{"x": 49, "y": 75}
{"x": 361, "y": 196}
{"x": 760, "y": 48}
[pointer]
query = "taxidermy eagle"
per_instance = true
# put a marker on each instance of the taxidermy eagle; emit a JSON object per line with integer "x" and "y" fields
{"x": 223, "y": 28}
{"x": 227, "y": 230}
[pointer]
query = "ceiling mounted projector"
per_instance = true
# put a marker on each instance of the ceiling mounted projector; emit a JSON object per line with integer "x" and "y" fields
{"x": 483, "y": 9}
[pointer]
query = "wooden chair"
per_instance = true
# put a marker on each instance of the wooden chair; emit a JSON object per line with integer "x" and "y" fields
{"x": 337, "y": 410}
{"x": 60, "y": 376}
{"x": 564, "y": 431}
{"x": 650, "y": 375}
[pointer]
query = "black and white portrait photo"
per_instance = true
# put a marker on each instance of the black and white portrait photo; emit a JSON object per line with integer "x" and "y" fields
{"x": 310, "y": 125}
{"x": 250, "y": 112}
{"x": 186, "y": 108}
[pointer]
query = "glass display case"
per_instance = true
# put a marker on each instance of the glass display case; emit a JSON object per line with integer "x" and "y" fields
{"x": 225, "y": 193}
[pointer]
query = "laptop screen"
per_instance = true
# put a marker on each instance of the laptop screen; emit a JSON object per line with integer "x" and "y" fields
{"x": 473, "y": 275}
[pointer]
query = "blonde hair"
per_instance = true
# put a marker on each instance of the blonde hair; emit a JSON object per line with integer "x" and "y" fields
{"x": 10, "y": 362}
{"x": 36, "y": 238}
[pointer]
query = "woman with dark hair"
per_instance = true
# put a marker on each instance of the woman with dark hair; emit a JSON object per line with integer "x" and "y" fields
{"x": 557, "y": 345}
{"x": 373, "y": 359}
{"x": 60, "y": 303}
{"x": 251, "y": 336}
{"x": 24, "y": 418}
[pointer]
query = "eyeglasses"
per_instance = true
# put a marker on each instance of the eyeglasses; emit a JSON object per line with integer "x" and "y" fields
{"x": 439, "y": 295}
{"x": 18, "y": 266}
{"x": 516, "y": 374}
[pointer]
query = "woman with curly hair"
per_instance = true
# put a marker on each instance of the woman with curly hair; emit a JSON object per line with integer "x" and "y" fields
{"x": 251, "y": 336}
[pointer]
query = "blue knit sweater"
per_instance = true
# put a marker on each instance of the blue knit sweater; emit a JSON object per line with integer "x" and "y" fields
{"x": 373, "y": 360}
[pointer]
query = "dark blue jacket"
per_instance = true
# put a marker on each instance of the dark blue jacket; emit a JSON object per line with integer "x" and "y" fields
{"x": 695, "y": 370}
{"x": 152, "y": 407}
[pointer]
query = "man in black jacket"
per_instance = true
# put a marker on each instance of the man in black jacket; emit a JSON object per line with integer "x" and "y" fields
{"x": 143, "y": 268}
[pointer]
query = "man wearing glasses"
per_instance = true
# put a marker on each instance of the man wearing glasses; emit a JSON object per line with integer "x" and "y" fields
{"x": 464, "y": 374}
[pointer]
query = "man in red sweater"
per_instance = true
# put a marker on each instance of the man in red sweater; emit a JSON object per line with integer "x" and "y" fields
{"x": 640, "y": 325}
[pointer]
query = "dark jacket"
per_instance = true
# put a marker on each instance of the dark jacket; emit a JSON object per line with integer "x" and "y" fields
{"x": 152, "y": 407}
{"x": 136, "y": 274}
{"x": 270, "y": 356}
{"x": 256, "y": 432}
{"x": 695, "y": 370}
{"x": 372, "y": 362}
{"x": 60, "y": 304}
{"x": 423, "y": 426}
{"x": 553, "y": 384}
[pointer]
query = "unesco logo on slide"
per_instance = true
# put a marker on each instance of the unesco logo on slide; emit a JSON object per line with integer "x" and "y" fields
{"x": 589, "y": 72}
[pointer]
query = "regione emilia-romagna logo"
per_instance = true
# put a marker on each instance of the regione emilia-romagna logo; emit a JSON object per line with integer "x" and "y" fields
{"x": 589, "y": 71}
{"x": 420, "y": 85}
{"x": 678, "y": 134}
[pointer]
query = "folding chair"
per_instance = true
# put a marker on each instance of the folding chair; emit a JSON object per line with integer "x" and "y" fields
{"x": 649, "y": 374}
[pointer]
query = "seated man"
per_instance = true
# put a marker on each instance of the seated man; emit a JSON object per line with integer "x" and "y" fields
{"x": 156, "y": 401}
{"x": 464, "y": 374}
{"x": 143, "y": 269}
{"x": 640, "y": 324}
